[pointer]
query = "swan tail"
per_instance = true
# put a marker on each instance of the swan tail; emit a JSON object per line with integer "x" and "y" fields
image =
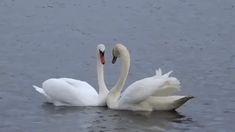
{"x": 168, "y": 102}
{"x": 38, "y": 89}
{"x": 41, "y": 91}
{"x": 182, "y": 101}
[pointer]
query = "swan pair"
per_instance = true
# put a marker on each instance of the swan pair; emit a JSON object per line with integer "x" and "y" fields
{"x": 148, "y": 94}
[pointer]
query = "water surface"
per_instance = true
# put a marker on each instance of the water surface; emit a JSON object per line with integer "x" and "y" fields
{"x": 51, "y": 38}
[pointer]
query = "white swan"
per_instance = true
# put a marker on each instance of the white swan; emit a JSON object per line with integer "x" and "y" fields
{"x": 148, "y": 94}
{"x": 71, "y": 92}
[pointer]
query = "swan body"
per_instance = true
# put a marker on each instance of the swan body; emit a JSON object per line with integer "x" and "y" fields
{"x": 148, "y": 94}
{"x": 71, "y": 92}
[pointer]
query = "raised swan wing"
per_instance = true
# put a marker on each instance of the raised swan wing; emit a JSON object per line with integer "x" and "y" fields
{"x": 158, "y": 85}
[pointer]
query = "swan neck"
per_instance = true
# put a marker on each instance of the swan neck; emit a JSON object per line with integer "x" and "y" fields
{"x": 115, "y": 92}
{"x": 100, "y": 75}
{"x": 125, "y": 57}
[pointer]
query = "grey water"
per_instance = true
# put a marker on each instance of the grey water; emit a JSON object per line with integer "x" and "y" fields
{"x": 41, "y": 39}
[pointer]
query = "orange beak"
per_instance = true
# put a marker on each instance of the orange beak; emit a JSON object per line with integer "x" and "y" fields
{"x": 102, "y": 59}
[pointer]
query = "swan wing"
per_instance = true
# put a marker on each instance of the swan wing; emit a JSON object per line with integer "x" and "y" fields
{"x": 70, "y": 91}
{"x": 140, "y": 90}
{"x": 83, "y": 86}
{"x": 77, "y": 83}
{"x": 158, "y": 85}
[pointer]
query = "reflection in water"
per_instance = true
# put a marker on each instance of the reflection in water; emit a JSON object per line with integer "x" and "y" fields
{"x": 104, "y": 119}
{"x": 157, "y": 120}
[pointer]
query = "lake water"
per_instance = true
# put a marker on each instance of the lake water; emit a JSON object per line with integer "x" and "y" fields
{"x": 41, "y": 39}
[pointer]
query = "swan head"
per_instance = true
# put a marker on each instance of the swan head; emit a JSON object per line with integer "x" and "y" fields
{"x": 101, "y": 52}
{"x": 118, "y": 51}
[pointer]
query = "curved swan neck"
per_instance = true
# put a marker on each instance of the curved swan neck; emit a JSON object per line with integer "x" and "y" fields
{"x": 115, "y": 92}
{"x": 125, "y": 57}
{"x": 100, "y": 75}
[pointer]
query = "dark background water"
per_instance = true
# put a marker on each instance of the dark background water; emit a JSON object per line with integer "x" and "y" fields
{"x": 41, "y": 39}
